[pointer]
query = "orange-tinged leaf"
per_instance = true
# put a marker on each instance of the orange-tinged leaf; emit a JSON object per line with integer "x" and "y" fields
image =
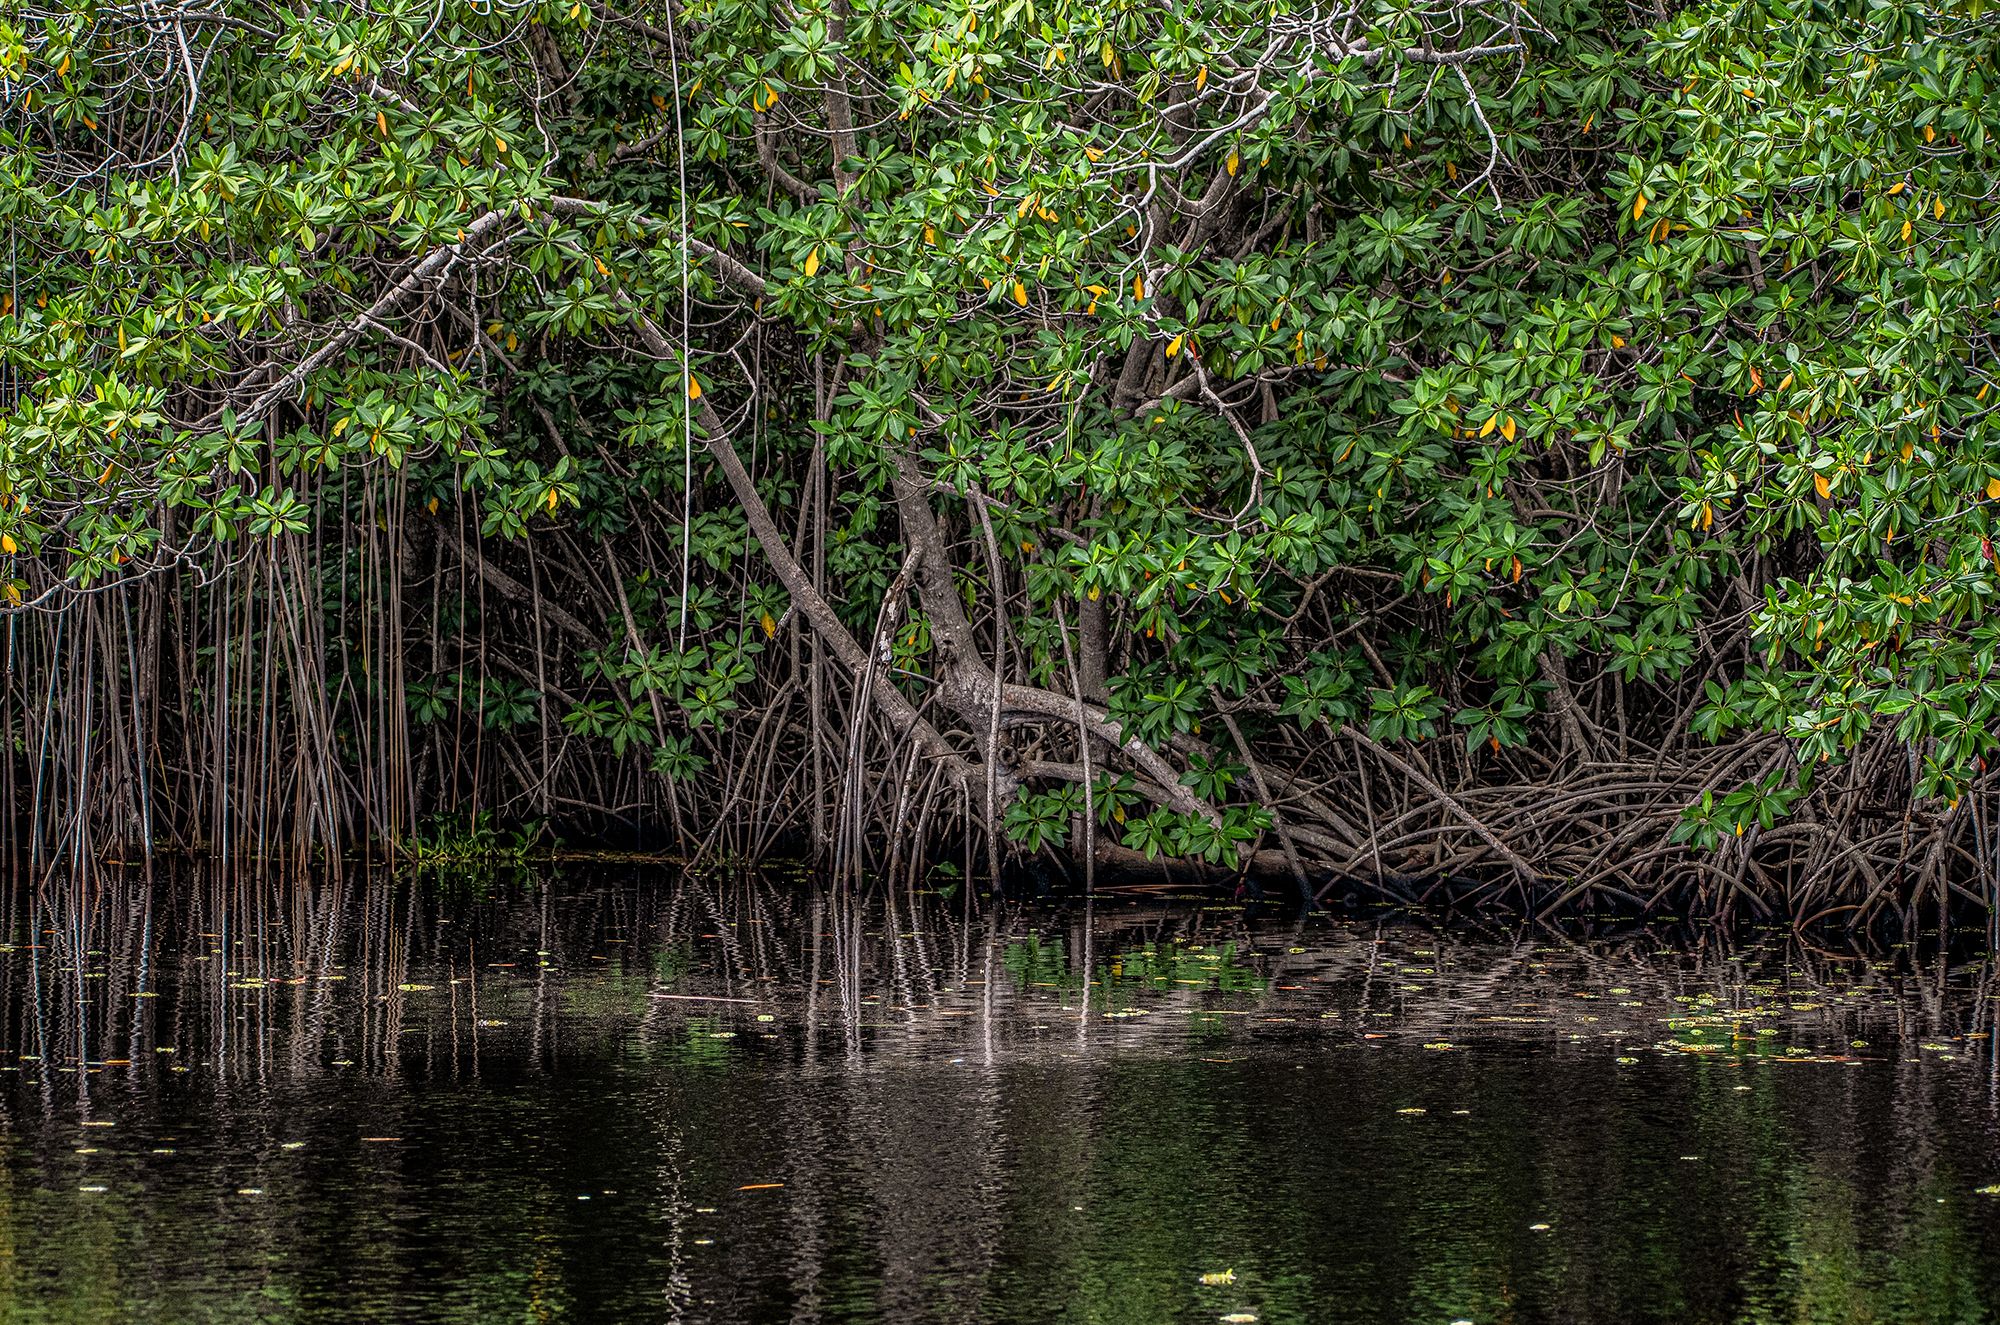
{"x": 549, "y": 499}
{"x": 812, "y": 264}
{"x": 1201, "y": 78}
{"x": 1232, "y": 163}
{"x": 694, "y": 388}
{"x": 1517, "y": 570}
{"x": 1993, "y": 489}
{"x": 1492, "y": 422}
{"x": 1937, "y": 208}
{"x": 1138, "y": 287}
{"x": 1507, "y": 427}
{"x": 1898, "y": 187}
{"x": 1617, "y": 341}
{"x": 1824, "y": 487}
{"x": 381, "y": 124}
{"x": 1020, "y": 294}
{"x": 1174, "y": 345}
{"x": 1639, "y": 207}
{"x": 8, "y": 545}
{"x": 1930, "y": 134}
{"x": 770, "y": 626}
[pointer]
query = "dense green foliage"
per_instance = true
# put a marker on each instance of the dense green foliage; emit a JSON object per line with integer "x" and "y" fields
{"x": 1489, "y": 395}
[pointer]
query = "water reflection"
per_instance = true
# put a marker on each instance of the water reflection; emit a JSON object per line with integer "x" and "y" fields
{"x": 606, "y": 1098}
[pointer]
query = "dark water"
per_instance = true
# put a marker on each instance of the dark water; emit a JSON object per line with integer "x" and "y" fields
{"x": 649, "y": 1099}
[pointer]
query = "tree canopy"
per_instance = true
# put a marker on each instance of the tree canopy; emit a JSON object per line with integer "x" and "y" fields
{"x": 1356, "y": 434}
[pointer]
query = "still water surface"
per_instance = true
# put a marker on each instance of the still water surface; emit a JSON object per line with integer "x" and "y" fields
{"x": 607, "y": 1099}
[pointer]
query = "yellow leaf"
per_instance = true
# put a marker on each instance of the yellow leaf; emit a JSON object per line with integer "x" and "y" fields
{"x": 1138, "y": 287}
{"x": 1937, "y": 208}
{"x": 1486, "y": 428}
{"x": 1232, "y": 163}
{"x": 1020, "y": 294}
{"x": 432, "y": 506}
{"x": 1906, "y": 232}
{"x": 694, "y": 388}
{"x": 1825, "y": 488}
{"x": 8, "y": 545}
{"x": 549, "y": 499}
{"x": 930, "y": 237}
{"x": 1993, "y": 489}
{"x": 812, "y": 263}
{"x": 13, "y": 593}
{"x": 382, "y": 124}
{"x": 1930, "y": 134}
{"x": 105, "y": 477}
{"x": 1784, "y": 381}
{"x": 1898, "y": 187}
{"x": 1909, "y": 449}
{"x": 1507, "y": 427}
{"x": 1517, "y": 570}
{"x": 1093, "y": 153}
{"x": 1174, "y": 345}
{"x": 1639, "y": 207}
{"x": 499, "y": 144}
{"x": 1707, "y": 516}
{"x": 1451, "y": 171}
{"x": 770, "y": 626}
{"x": 1617, "y": 341}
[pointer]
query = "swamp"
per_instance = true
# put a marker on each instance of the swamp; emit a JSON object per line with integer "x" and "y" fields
{"x": 999, "y": 660}
{"x": 633, "y": 1095}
